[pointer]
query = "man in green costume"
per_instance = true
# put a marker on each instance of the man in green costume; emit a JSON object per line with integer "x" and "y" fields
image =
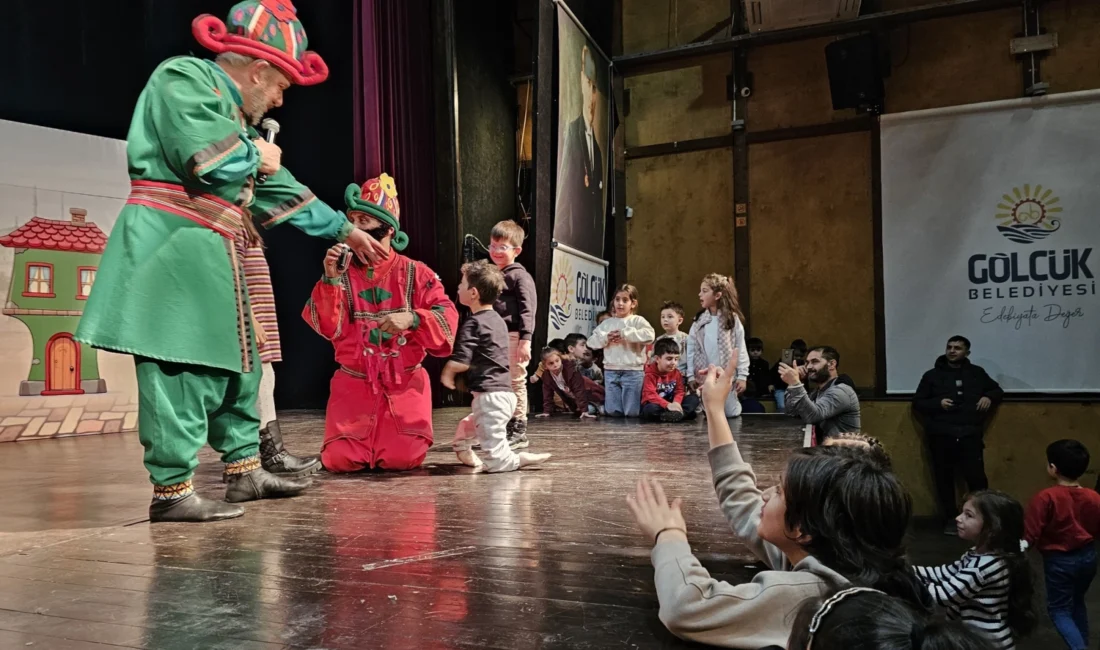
{"x": 170, "y": 289}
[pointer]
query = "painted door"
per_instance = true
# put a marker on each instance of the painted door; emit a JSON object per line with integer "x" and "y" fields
{"x": 62, "y": 357}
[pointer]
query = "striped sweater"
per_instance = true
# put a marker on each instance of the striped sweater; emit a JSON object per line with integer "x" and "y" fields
{"x": 974, "y": 590}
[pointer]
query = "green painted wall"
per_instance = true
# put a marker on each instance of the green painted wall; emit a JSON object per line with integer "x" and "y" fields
{"x": 65, "y": 288}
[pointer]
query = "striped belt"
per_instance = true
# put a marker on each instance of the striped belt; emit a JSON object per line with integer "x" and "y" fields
{"x": 207, "y": 210}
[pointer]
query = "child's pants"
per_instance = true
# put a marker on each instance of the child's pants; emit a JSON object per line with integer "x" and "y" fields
{"x": 1068, "y": 576}
{"x": 519, "y": 377}
{"x": 487, "y": 423}
{"x": 653, "y": 411}
{"x": 623, "y": 393}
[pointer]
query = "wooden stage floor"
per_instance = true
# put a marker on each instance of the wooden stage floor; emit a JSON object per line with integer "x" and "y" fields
{"x": 435, "y": 558}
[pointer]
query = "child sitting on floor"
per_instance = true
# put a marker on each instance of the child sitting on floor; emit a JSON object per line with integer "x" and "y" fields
{"x": 990, "y": 588}
{"x": 663, "y": 396}
{"x": 580, "y": 395}
{"x": 481, "y": 351}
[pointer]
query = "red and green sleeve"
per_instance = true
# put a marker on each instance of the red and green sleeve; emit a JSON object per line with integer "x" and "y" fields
{"x": 326, "y": 311}
{"x": 435, "y": 317}
{"x": 281, "y": 199}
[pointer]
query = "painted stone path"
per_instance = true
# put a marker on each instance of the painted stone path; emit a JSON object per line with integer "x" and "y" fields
{"x": 35, "y": 418}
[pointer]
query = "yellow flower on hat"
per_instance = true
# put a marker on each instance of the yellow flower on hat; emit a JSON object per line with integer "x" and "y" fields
{"x": 388, "y": 185}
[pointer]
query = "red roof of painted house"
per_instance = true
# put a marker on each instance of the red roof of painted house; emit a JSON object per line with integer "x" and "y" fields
{"x": 48, "y": 234}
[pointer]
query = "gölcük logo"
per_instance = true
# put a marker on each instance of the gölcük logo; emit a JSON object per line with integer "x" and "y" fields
{"x": 1027, "y": 216}
{"x": 561, "y": 296}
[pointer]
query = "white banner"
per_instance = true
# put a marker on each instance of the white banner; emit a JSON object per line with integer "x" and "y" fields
{"x": 578, "y": 291}
{"x": 990, "y": 214}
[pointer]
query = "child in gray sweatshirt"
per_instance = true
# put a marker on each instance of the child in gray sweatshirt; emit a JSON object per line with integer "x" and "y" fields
{"x": 839, "y": 517}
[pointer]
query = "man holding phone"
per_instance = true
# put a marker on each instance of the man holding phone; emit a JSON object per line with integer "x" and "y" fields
{"x": 833, "y": 407}
{"x": 953, "y": 402}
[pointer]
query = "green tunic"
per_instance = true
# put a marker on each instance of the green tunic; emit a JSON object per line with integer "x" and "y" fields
{"x": 166, "y": 287}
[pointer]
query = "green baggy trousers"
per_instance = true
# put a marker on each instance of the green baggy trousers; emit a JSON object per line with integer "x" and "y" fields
{"x": 181, "y": 407}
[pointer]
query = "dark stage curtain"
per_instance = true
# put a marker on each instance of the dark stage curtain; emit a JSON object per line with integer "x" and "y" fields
{"x": 394, "y": 118}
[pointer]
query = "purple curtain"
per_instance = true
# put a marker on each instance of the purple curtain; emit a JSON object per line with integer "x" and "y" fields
{"x": 394, "y": 119}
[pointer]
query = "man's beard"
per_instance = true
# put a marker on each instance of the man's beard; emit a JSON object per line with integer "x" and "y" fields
{"x": 821, "y": 376}
{"x": 255, "y": 105}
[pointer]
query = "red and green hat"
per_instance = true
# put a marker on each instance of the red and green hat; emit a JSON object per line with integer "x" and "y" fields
{"x": 378, "y": 198}
{"x": 268, "y": 30}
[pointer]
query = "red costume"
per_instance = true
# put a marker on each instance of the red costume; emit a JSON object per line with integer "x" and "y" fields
{"x": 380, "y": 406}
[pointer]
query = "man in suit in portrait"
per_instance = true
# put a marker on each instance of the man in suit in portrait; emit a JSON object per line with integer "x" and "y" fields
{"x": 579, "y": 210}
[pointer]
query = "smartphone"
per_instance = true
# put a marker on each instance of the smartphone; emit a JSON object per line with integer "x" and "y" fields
{"x": 788, "y": 357}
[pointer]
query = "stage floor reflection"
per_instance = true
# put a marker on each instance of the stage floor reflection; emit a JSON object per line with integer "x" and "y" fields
{"x": 435, "y": 558}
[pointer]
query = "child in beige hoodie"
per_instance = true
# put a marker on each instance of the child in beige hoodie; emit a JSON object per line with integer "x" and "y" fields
{"x": 623, "y": 339}
{"x": 838, "y": 518}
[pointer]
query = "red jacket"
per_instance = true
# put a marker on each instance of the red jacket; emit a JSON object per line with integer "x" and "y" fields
{"x": 583, "y": 389}
{"x": 1062, "y": 518}
{"x": 657, "y": 387}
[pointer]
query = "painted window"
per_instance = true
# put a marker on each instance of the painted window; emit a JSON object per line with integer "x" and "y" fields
{"x": 85, "y": 280}
{"x": 39, "y": 280}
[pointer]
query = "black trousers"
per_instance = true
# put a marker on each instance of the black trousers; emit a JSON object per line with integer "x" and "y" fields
{"x": 952, "y": 455}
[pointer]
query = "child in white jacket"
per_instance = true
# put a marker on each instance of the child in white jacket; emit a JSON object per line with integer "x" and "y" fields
{"x": 718, "y": 333}
{"x": 623, "y": 339}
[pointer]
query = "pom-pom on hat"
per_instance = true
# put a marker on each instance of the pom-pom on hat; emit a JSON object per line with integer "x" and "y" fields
{"x": 268, "y": 30}
{"x": 378, "y": 198}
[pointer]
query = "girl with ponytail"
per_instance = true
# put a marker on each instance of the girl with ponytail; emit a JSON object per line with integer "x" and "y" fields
{"x": 718, "y": 334}
{"x": 990, "y": 589}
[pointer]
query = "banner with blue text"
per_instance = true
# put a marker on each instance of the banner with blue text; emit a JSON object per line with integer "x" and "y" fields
{"x": 990, "y": 214}
{"x": 578, "y": 291}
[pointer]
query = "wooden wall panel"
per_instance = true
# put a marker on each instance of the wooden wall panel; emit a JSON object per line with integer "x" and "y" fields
{"x": 659, "y": 24}
{"x": 682, "y": 227}
{"x": 791, "y": 86}
{"x": 1075, "y": 65}
{"x": 811, "y": 238}
{"x": 954, "y": 61}
{"x": 679, "y": 104}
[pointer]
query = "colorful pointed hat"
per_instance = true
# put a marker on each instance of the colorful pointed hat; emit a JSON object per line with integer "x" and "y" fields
{"x": 378, "y": 198}
{"x": 268, "y": 30}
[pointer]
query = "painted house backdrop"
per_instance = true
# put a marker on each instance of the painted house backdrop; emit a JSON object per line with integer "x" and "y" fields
{"x": 60, "y": 194}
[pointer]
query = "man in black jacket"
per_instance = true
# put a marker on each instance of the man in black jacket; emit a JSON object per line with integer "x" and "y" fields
{"x": 953, "y": 401}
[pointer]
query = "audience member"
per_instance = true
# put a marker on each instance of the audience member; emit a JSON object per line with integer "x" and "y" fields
{"x": 578, "y": 395}
{"x": 624, "y": 338}
{"x": 672, "y": 317}
{"x": 990, "y": 588}
{"x": 720, "y": 334}
{"x": 953, "y": 401}
{"x": 1063, "y": 522}
{"x": 832, "y": 407}
{"x": 663, "y": 395}
{"x": 839, "y": 518}
{"x": 759, "y": 370}
{"x": 857, "y": 618}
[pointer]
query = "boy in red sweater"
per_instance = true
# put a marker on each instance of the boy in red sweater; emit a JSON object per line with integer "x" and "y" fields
{"x": 1063, "y": 522}
{"x": 663, "y": 388}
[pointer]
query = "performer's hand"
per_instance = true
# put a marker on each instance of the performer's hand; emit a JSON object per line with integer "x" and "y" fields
{"x": 396, "y": 323}
{"x": 984, "y": 404}
{"x": 366, "y": 248}
{"x": 789, "y": 375}
{"x": 271, "y": 156}
{"x": 447, "y": 378}
{"x": 523, "y": 352}
{"x": 946, "y": 403}
{"x": 331, "y": 258}
{"x": 654, "y": 513}
{"x": 675, "y": 408}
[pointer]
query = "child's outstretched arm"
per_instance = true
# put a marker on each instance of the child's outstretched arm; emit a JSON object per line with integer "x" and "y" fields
{"x": 734, "y": 481}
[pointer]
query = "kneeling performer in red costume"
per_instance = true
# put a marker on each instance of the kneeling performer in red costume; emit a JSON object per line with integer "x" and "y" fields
{"x": 382, "y": 319}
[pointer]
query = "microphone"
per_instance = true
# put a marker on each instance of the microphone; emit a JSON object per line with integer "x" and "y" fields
{"x": 272, "y": 129}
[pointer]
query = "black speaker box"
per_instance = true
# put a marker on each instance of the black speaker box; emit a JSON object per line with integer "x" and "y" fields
{"x": 855, "y": 73}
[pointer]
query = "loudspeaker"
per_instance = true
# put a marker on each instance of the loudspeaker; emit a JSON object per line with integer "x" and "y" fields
{"x": 855, "y": 73}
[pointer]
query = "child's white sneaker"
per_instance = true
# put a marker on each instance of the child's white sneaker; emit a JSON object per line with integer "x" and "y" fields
{"x": 527, "y": 459}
